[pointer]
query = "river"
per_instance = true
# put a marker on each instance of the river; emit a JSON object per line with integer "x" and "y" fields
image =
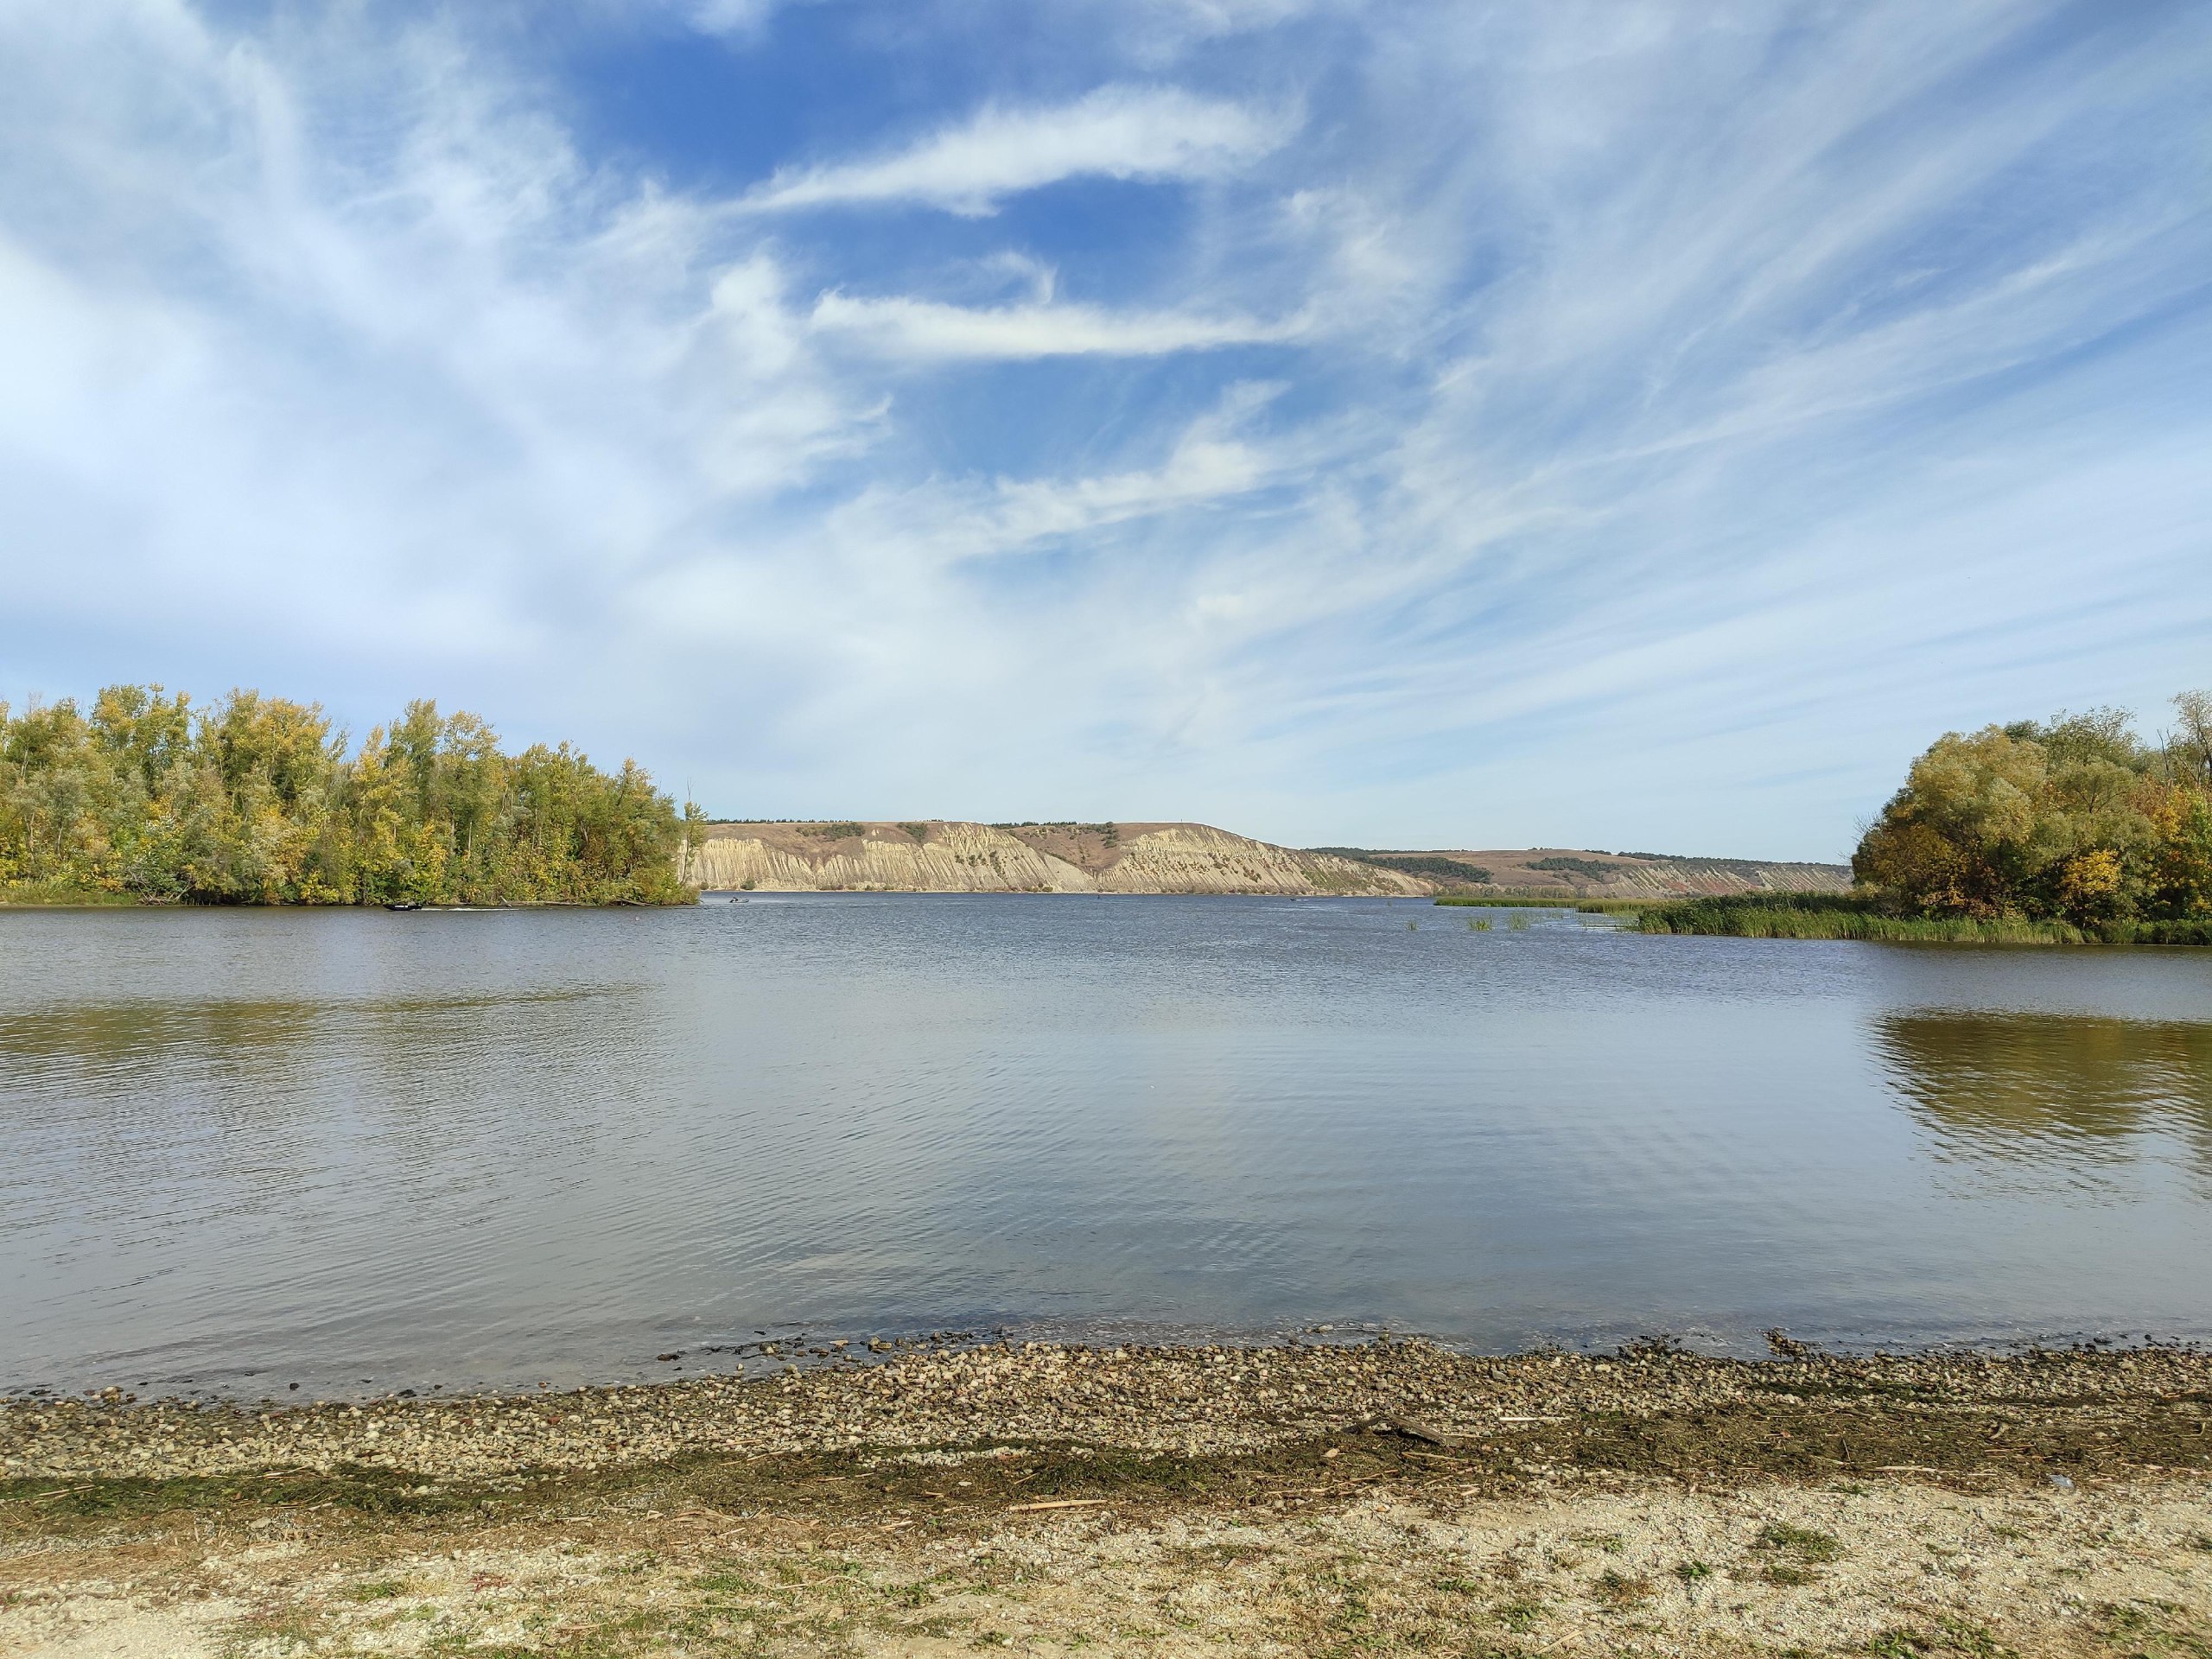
{"x": 358, "y": 1151}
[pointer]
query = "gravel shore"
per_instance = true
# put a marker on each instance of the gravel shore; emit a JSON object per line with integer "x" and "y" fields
{"x": 1388, "y": 1498}
{"x": 1189, "y": 1400}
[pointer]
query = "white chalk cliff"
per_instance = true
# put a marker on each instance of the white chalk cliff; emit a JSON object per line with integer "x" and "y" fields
{"x": 943, "y": 856}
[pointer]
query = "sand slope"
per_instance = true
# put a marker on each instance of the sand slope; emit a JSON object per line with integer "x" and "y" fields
{"x": 943, "y": 856}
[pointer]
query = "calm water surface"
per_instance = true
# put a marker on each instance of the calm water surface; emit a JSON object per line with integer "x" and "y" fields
{"x": 243, "y": 1149}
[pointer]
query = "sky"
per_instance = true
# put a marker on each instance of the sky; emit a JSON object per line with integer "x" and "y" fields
{"x": 1633, "y": 427}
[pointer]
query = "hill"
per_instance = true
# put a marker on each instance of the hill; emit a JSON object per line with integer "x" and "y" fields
{"x": 942, "y": 855}
{"x": 1568, "y": 872}
{"x": 951, "y": 856}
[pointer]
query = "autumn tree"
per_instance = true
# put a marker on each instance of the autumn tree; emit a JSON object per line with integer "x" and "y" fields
{"x": 2074, "y": 819}
{"x": 256, "y": 800}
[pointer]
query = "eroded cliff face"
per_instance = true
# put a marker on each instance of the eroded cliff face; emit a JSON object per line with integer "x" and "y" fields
{"x": 882, "y": 857}
{"x": 954, "y": 857}
{"x": 1197, "y": 858}
{"x": 1566, "y": 872}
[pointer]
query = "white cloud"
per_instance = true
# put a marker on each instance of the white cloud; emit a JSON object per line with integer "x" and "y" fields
{"x": 731, "y": 16}
{"x": 1663, "y": 397}
{"x": 926, "y": 330}
{"x": 441, "y": 384}
{"x": 1116, "y": 132}
{"x": 1202, "y": 470}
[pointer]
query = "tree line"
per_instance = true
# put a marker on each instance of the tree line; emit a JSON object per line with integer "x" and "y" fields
{"x": 2076, "y": 819}
{"x": 251, "y": 799}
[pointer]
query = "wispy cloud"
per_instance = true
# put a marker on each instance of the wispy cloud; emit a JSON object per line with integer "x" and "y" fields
{"x": 1116, "y": 132}
{"x": 925, "y": 329}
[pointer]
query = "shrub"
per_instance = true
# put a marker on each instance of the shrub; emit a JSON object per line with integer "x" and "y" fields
{"x": 257, "y": 800}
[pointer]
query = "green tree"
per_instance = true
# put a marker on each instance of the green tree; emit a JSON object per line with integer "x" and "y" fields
{"x": 2073, "y": 819}
{"x": 255, "y": 800}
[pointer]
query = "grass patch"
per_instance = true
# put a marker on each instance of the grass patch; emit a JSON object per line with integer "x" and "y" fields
{"x": 1442, "y": 869}
{"x": 1519, "y": 1617}
{"x": 2155, "y": 1629}
{"x": 1543, "y": 901}
{"x": 1859, "y": 916}
{"x": 1594, "y": 869}
{"x": 1946, "y": 1635}
{"x": 1617, "y": 1589}
{"x": 2155, "y": 933}
{"x": 1803, "y": 1542}
{"x": 1505, "y": 901}
{"x": 60, "y": 894}
{"x": 1840, "y": 916}
{"x": 362, "y": 1492}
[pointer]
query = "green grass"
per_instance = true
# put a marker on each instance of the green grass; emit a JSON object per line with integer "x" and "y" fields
{"x": 1445, "y": 869}
{"x": 1803, "y": 1542}
{"x": 362, "y": 1490}
{"x": 1858, "y": 916}
{"x": 1840, "y": 916}
{"x": 1545, "y": 901}
{"x": 1596, "y": 869}
{"x": 60, "y": 893}
{"x": 1949, "y": 1636}
{"x": 2156, "y": 933}
{"x": 1503, "y": 901}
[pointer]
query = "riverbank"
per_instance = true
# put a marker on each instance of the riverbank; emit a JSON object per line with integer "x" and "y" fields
{"x": 50, "y": 897}
{"x": 1825, "y": 916}
{"x": 1297, "y": 1499}
{"x": 1539, "y": 901}
{"x": 59, "y": 895}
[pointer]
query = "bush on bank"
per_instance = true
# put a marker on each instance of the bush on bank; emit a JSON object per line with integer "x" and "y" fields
{"x": 257, "y": 800}
{"x": 2067, "y": 832}
{"x": 2077, "y": 820}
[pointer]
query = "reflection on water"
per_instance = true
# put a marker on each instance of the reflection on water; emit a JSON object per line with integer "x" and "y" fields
{"x": 105, "y": 1045}
{"x": 2072, "y": 1091}
{"x": 262, "y": 1147}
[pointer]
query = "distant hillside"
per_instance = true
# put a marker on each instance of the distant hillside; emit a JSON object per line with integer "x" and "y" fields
{"x": 949, "y": 856}
{"x": 944, "y": 855}
{"x": 1581, "y": 874}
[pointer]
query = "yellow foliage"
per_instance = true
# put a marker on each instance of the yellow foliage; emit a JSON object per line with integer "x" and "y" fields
{"x": 254, "y": 800}
{"x": 2073, "y": 819}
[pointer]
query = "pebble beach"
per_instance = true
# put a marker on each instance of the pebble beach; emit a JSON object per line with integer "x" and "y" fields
{"x": 1385, "y": 1496}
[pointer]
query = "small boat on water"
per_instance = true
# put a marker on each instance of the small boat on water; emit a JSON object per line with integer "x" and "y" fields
{"x": 404, "y": 905}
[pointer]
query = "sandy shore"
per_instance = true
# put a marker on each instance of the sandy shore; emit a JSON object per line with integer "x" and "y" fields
{"x": 1326, "y": 1500}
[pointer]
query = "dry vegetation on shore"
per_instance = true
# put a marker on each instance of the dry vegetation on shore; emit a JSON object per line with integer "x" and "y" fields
{"x": 1385, "y": 1498}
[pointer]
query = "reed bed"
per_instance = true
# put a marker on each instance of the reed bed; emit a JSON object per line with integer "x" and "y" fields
{"x": 1859, "y": 916}
{"x": 1506, "y": 901}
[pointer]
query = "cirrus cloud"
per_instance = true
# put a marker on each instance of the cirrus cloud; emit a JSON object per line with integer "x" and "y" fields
{"x": 1116, "y": 132}
{"x": 1615, "y": 426}
{"x": 929, "y": 330}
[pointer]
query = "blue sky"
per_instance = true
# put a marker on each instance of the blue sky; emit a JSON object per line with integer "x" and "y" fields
{"x": 1403, "y": 424}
